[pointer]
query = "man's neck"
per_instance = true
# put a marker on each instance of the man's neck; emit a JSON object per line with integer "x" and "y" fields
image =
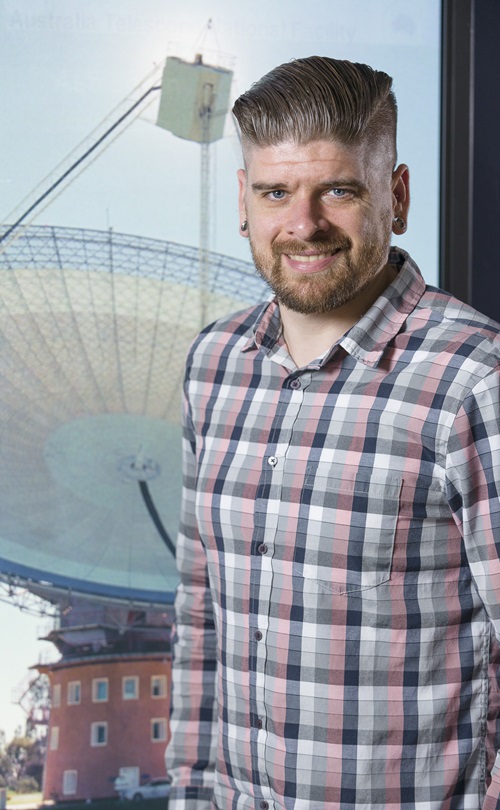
{"x": 309, "y": 336}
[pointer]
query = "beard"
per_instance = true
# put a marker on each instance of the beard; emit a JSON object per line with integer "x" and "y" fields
{"x": 326, "y": 290}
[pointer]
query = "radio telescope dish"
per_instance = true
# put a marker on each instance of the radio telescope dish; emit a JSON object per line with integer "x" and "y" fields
{"x": 94, "y": 330}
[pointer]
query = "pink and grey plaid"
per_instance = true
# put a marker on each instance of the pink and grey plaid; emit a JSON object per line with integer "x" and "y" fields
{"x": 338, "y": 613}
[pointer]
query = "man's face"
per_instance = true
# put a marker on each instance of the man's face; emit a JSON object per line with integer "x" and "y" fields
{"x": 320, "y": 219}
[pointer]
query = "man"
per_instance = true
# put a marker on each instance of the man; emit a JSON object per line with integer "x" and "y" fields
{"x": 339, "y": 605}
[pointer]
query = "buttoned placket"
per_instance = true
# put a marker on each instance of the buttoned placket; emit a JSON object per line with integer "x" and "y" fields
{"x": 267, "y": 514}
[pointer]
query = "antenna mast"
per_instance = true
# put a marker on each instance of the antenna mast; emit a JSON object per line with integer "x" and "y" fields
{"x": 193, "y": 105}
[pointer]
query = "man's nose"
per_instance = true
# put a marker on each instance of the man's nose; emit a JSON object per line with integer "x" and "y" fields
{"x": 306, "y": 219}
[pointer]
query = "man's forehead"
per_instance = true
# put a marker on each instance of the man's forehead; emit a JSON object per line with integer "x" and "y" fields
{"x": 369, "y": 157}
{"x": 296, "y": 155}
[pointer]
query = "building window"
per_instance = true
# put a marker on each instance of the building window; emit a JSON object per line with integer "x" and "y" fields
{"x": 131, "y": 688}
{"x": 56, "y": 695}
{"x": 100, "y": 690}
{"x": 98, "y": 734}
{"x": 158, "y": 686}
{"x": 70, "y": 782}
{"x": 54, "y": 738}
{"x": 158, "y": 729}
{"x": 74, "y": 692}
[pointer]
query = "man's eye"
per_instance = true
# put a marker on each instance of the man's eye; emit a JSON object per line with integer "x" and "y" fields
{"x": 277, "y": 194}
{"x": 338, "y": 192}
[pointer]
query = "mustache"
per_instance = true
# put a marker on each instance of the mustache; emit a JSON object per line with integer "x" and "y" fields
{"x": 295, "y": 247}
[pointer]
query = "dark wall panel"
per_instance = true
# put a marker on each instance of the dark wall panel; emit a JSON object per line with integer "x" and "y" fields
{"x": 470, "y": 158}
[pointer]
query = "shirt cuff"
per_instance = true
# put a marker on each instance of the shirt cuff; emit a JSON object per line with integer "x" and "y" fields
{"x": 492, "y": 798}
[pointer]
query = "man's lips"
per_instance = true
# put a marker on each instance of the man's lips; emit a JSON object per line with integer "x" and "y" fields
{"x": 309, "y": 257}
{"x": 310, "y": 262}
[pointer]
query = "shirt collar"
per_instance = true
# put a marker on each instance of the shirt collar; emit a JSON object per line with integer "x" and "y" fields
{"x": 368, "y": 338}
{"x": 267, "y": 328}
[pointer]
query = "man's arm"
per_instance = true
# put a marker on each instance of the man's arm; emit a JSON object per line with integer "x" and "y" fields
{"x": 190, "y": 754}
{"x": 473, "y": 473}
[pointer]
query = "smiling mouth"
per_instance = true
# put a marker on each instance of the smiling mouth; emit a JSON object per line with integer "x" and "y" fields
{"x": 311, "y": 257}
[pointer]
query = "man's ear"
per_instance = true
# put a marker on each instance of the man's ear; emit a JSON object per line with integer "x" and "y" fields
{"x": 401, "y": 191}
{"x": 242, "y": 186}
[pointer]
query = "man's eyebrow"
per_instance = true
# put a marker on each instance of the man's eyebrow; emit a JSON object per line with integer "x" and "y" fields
{"x": 267, "y": 186}
{"x": 350, "y": 182}
{"x": 343, "y": 182}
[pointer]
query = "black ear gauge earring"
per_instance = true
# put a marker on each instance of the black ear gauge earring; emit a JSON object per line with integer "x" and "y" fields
{"x": 399, "y": 223}
{"x": 244, "y": 226}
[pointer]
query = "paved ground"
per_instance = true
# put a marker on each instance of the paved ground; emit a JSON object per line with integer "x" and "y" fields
{"x": 29, "y": 801}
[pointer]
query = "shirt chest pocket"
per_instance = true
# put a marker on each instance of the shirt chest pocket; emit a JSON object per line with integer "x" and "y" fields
{"x": 347, "y": 528}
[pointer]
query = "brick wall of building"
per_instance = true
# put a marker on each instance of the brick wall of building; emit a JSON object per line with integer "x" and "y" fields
{"x": 107, "y": 714}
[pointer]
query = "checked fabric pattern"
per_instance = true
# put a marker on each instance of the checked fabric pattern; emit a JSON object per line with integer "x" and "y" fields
{"x": 338, "y": 613}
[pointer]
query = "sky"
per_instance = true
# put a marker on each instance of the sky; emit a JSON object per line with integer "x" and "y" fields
{"x": 69, "y": 65}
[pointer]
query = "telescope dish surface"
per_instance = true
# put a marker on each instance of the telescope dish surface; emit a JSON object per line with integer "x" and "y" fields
{"x": 94, "y": 330}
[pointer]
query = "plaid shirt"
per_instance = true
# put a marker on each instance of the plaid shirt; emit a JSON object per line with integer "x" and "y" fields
{"x": 339, "y": 563}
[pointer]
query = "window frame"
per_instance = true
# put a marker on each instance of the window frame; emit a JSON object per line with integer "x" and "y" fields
{"x": 67, "y": 775}
{"x": 54, "y": 738}
{"x": 162, "y": 680}
{"x": 56, "y": 696}
{"x": 162, "y": 723}
{"x": 130, "y": 678}
{"x": 94, "y": 733}
{"x": 77, "y": 686}
{"x": 95, "y": 684}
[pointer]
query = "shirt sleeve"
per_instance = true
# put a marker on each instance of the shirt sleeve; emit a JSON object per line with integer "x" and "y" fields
{"x": 473, "y": 478}
{"x": 190, "y": 754}
{"x": 473, "y": 475}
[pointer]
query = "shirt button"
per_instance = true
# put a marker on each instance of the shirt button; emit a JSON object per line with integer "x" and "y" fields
{"x": 262, "y": 549}
{"x": 295, "y": 384}
{"x": 272, "y": 461}
{"x": 257, "y": 635}
{"x": 259, "y": 723}
{"x": 264, "y": 806}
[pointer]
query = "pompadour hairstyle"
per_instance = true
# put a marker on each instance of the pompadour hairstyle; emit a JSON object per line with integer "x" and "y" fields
{"x": 319, "y": 98}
